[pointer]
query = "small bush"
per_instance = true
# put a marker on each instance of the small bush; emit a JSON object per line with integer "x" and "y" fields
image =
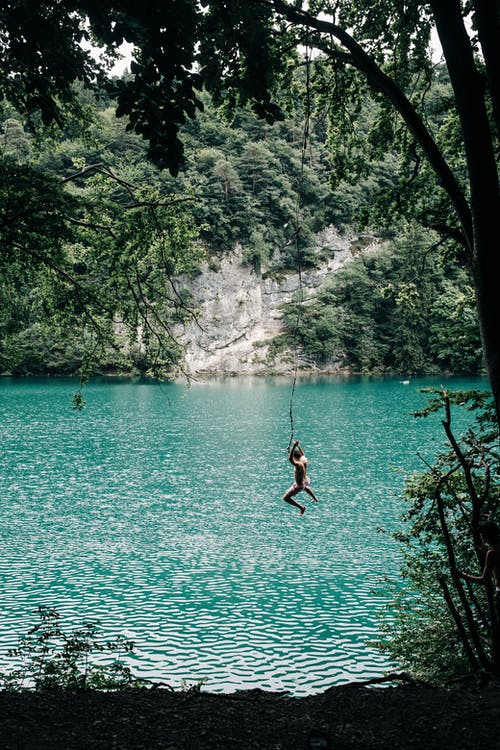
{"x": 52, "y": 659}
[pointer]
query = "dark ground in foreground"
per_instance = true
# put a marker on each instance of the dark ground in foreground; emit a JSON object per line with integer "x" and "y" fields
{"x": 341, "y": 718}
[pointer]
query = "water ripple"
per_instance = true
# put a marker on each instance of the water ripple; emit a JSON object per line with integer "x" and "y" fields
{"x": 157, "y": 512}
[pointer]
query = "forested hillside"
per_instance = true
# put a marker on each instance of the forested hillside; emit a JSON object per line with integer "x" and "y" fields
{"x": 119, "y": 234}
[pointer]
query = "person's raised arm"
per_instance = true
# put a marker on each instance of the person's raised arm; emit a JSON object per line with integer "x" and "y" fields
{"x": 292, "y": 449}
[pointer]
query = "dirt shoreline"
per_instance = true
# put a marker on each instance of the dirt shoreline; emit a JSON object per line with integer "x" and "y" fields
{"x": 341, "y": 718}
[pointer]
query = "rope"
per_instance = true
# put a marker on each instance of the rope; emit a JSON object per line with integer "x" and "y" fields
{"x": 296, "y": 356}
{"x": 305, "y": 141}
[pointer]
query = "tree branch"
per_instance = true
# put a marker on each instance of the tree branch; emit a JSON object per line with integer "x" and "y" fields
{"x": 458, "y": 622}
{"x": 381, "y": 82}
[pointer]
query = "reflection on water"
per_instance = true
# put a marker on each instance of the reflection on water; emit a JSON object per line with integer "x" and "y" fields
{"x": 157, "y": 511}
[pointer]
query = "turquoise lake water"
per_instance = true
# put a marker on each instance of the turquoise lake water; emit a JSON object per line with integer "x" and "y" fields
{"x": 157, "y": 511}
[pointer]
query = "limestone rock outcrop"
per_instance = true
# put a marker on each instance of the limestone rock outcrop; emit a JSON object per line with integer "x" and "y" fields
{"x": 240, "y": 311}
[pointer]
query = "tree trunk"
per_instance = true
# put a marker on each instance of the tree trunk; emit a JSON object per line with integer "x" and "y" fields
{"x": 487, "y": 19}
{"x": 468, "y": 87}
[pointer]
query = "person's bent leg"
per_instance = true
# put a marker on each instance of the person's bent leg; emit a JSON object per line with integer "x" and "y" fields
{"x": 311, "y": 493}
{"x": 287, "y": 497}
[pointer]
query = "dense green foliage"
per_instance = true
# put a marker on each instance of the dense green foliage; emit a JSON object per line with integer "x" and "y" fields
{"x": 50, "y": 657}
{"x": 249, "y": 183}
{"x": 396, "y": 308}
{"x": 438, "y": 626}
{"x": 86, "y": 270}
{"x": 100, "y": 290}
{"x": 254, "y": 185}
{"x": 108, "y": 233}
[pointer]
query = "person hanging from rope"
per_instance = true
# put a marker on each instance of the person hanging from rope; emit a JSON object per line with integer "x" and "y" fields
{"x": 301, "y": 480}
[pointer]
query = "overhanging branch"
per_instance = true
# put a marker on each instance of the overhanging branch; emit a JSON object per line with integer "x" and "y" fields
{"x": 381, "y": 82}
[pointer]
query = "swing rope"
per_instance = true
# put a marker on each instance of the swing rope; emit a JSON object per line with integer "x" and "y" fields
{"x": 298, "y": 222}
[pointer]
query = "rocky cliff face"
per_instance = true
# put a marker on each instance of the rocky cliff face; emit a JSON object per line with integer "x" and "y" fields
{"x": 240, "y": 311}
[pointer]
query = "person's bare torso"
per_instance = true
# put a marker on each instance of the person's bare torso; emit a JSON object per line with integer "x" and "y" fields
{"x": 300, "y": 470}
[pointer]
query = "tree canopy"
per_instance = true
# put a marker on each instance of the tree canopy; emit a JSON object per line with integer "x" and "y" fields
{"x": 245, "y": 52}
